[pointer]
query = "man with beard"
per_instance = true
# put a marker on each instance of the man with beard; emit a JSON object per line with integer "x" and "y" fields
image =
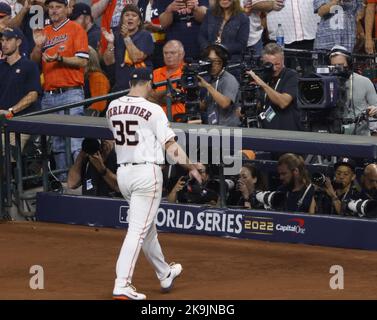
{"x": 340, "y": 190}
{"x": 62, "y": 50}
{"x": 295, "y": 184}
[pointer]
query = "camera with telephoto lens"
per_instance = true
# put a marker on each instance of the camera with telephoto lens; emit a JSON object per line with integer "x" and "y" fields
{"x": 90, "y": 145}
{"x": 190, "y": 84}
{"x": 362, "y": 208}
{"x": 271, "y": 199}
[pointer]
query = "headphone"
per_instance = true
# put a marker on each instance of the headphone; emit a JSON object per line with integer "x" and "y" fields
{"x": 344, "y": 52}
{"x": 224, "y": 53}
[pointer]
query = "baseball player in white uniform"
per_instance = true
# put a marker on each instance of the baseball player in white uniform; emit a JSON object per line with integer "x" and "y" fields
{"x": 141, "y": 132}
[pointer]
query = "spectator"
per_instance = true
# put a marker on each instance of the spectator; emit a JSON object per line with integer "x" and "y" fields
{"x": 16, "y": 6}
{"x": 341, "y": 189}
{"x": 130, "y": 47}
{"x": 110, "y": 12}
{"x": 6, "y": 21}
{"x": 338, "y": 23}
{"x": 62, "y": 48}
{"x": 82, "y": 15}
{"x": 173, "y": 57}
{"x": 299, "y": 23}
{"x": 26, "y": 20}
{"x": 181, "y": 20}
{"x": 95, "y": 169}
{"x": 96, "y": 83}
{"x": 369, "y": 182}
{"x": 249, "y": 183}
{"x": 253, "y": 9}
{"x": 225, "y": 24}
{"x": 370, "y": 19}
{"x": 152, "y": 24}
{"x": 222, "y": 89}
{"x": 296, "y": 184}
{"x": 362, "y": 91}
{"x": 280, "y": 107}
{"x": 20, "y": 86}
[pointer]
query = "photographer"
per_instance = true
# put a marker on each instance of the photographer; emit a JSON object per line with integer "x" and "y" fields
{"x": 361, "y": 95}
{"x": 341, "y": 189}
{"x": 369, "y": 182}
{"x": 95, "y": 169}
{"x": 249, "y": 182}
{"x": 280, "y": 107}
{"x": 295, "y": 184}
{"x": 187, "y": 191}
{"x": 222, "y": 89}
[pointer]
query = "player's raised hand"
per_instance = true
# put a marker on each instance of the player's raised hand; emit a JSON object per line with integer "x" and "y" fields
{"x": 39, "y": 37}
{"x": 109, "y": 36}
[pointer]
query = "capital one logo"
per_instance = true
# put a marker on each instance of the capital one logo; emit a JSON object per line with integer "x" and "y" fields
{"x": 337, "y": 20}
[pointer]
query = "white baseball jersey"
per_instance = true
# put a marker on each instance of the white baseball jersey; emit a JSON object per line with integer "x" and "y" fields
{"x": 140, "y": 129}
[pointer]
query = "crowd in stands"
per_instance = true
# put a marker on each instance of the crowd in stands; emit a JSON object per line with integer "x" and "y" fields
{"x": 56, "y": 52}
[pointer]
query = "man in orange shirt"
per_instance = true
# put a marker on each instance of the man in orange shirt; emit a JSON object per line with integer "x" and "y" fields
{"x": 370, "y": 19}
{"x": 174, "y": 54}
{"x": 62, "y": 49}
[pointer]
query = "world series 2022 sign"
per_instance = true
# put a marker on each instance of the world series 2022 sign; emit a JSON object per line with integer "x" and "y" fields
{"x": 343, "y": 232}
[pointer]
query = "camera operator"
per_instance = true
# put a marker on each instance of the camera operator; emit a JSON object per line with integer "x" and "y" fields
{"x": 369, "y": 182}
{"x": 222, "y": 89}
{"x": 339, "y": 190}
{"x": 280, "y": 107}
{"x": 95, "y": 169}
{"x": 187, "y": 191}
{"x": 361, "y": 95}
{"x": 295, "y": 184}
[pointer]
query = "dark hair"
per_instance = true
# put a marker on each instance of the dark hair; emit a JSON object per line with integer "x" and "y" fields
{"x": 235, "y": 8}
{"x": 133, "y": 8}
{"x": 220, "y": 51}
{"x": 135, "y": 82}
{"x": 255, "y": 173}
{"x": 293, "y": 161}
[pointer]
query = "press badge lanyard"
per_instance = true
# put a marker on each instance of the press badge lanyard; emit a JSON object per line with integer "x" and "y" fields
{"x": 265, "y": 94}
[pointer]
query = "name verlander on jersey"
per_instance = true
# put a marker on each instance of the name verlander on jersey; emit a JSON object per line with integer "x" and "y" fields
{"x": 128, "y": 109}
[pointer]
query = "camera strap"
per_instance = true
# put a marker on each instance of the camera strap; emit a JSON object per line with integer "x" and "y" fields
{"x": 301, "y": 200}
{"x": 265, "y": 94}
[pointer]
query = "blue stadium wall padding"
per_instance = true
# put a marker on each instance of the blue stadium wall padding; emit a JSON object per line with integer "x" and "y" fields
{"x": 331, "y": 231}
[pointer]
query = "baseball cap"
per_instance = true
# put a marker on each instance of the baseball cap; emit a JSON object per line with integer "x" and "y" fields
{"x": 346, "y": 162}
{"x": 141, "y": 74}
{"x": 12, "y": 33}
{"x": 5, "y": 9}
{"x": 65, "y": 2}
{"x": 79, "y": 9}
{"x": 339, "y": 50}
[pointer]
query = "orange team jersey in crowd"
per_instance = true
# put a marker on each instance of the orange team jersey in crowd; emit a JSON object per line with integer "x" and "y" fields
{"x": 375, "y": 18}
{"x": 69, "y": 40}
{"x": 99, "y": 85}
{"x": 160, "y": 75}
